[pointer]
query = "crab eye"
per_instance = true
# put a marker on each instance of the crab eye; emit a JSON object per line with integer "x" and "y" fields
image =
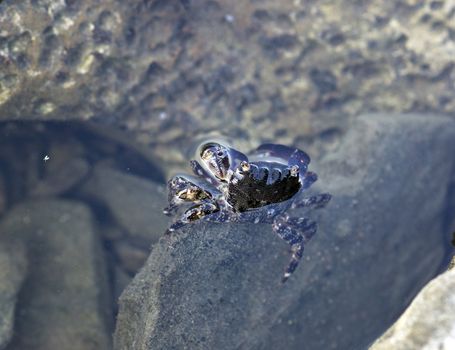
{"x": 245, "y": 166}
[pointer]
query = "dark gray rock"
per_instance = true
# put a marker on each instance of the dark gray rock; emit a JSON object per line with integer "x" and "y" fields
{"x": 135, "y": 203}
{"x": 64, "y": 301}
{"x": 383, "y": 236}
{"x": 12, "y": 273}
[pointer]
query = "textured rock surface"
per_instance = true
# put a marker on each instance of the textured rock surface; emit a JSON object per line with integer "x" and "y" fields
{"x": 63, "y": 302}
{"x": 383, "y": 236}
{"x": 12, "y": 273}
{"x": 428, "y": 323}
{"x": 135, "y": 203}
{"x": 240, "y": 67}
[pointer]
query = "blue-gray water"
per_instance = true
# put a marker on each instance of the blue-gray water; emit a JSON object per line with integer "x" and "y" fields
{"x": 101, "y": 103}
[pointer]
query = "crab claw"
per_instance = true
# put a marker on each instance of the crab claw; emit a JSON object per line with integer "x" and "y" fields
{"x": 216, "y": 159}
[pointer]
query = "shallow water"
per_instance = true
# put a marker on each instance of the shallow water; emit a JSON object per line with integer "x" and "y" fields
{"x": 101, "y": 103}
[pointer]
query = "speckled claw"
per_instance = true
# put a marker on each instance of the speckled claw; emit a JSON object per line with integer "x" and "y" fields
{"x": 198, "y": 170}
{"x": 185, "y": 189}
{"x": 219, "y": 160}
{"x": 194, "y": 213}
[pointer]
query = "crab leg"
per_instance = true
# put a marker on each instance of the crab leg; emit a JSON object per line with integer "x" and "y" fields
{"x": 295, "y": 231}
{"x": 317, "y": 201}
{"x": 308, "y": 179}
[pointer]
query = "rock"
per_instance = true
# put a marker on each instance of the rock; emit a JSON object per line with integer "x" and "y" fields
{"x": 62, "y": 162}
{"x": 383, "y": 236}
{"x": 135, "y": 203}
{"x": 170, "y": 71}
{"x": 61, "y": 177}
{"x": 428, "y": 323}
{"x": 51, "y": 159}
{"x": 64, "y": 302}
{"x": 12, "y": 273}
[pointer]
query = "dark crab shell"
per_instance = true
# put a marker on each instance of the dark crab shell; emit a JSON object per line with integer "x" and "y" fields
{"x": 265, "y": 183}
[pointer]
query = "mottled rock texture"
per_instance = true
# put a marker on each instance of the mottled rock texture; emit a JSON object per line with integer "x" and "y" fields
{"x": 63, "y": 303}
{"x": 428, "y": 323}
{"x": 383, "y": 236}
{"x": 265, "y": 70}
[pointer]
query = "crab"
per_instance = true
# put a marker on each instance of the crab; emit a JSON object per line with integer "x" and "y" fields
{"x": 228, "y": 186}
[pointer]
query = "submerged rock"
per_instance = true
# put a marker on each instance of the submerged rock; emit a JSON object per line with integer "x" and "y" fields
{"x": 383, "y": 236}
{"x": 12, "y": 273}
{"x": 428, "y": 323}
{"x": 135, "y": 203}
{"x": 61, "y": 176}
{"x": 44, "y": 159}
{"x": 64, "y": 301}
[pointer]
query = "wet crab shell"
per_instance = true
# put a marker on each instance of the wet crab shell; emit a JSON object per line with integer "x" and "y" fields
{"x": 263, "y": 184}
{"x": 234, "y": 157}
